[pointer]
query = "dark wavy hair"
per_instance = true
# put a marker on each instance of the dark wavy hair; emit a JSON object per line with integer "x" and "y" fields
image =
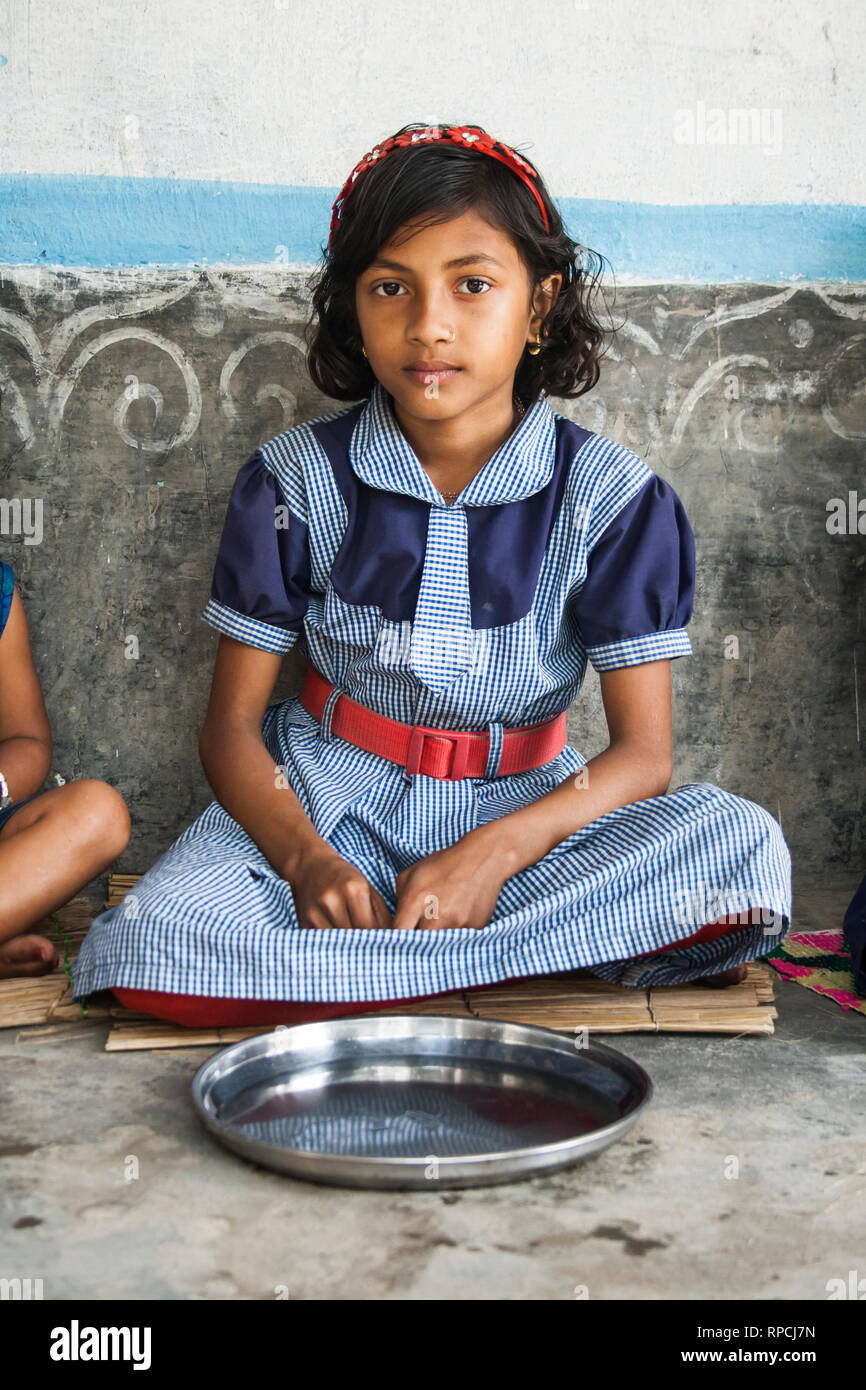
{"x": 441, "y": 181}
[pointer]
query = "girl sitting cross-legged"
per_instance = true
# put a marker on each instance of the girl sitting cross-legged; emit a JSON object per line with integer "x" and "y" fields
{"x": 452, "y": 553}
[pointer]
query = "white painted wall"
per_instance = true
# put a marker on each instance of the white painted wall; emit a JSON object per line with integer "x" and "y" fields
{"x": 277, "y": 91}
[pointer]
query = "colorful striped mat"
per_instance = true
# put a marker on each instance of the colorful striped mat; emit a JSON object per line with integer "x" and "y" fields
{"x": 821, "y": 961}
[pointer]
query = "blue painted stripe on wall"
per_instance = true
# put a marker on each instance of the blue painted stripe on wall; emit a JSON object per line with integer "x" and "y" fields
{"x": 108, "y": 221}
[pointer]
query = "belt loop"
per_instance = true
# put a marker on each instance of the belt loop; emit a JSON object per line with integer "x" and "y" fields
{"x": 493, "y": 757}
{"x": 328, "y": 713}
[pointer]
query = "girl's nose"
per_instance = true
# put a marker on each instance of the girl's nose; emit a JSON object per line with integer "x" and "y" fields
{"x": 430, "y": 321}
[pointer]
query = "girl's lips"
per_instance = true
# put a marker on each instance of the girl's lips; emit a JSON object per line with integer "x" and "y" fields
{"x": 431, "y": 374}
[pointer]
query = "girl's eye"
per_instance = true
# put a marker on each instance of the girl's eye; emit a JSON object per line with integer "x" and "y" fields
{"x": 468, "y": 279}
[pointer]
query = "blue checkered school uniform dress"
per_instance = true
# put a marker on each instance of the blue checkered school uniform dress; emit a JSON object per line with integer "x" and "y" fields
{"x": 565, "y": 548}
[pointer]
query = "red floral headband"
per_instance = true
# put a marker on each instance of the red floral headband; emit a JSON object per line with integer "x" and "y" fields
{"x": 470, "y": 136}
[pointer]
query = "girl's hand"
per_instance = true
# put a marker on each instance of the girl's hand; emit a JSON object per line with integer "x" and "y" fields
{"x": 330, "y": 892}
{"x": 455, "y": 887}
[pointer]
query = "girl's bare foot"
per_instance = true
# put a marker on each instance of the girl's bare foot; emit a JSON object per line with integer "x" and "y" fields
{"x": 735, "y": 976}
{"x": 26, "y": 955}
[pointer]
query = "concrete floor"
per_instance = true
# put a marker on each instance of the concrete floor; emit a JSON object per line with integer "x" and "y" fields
{"x": 653, "y": 1216}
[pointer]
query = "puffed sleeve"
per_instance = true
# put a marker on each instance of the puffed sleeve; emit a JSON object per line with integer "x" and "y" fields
{"x": 7, "y": 584}
{"x": 639, "y": 589}
{"x": 261, "y": 578}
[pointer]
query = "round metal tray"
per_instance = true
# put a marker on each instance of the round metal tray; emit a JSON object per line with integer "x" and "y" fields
{"x": 418, "y": 1100}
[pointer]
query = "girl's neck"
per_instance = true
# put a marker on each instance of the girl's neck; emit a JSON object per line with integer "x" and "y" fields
{"x": 451, "y": 478}
{"x": 457, "y": 448}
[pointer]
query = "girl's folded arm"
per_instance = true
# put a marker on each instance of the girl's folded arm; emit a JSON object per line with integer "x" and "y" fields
{"x": 26, "y": 744}
{"x": 238, "y": 766}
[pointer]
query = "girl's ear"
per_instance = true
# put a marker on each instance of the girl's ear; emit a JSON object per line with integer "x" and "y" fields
{"x": 548, "y": 292}
{"x": 544, "y": 296}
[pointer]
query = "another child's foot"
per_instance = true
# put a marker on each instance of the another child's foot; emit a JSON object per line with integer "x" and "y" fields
{"x": 26, "y": 955}
{"x": 735, "y": 976}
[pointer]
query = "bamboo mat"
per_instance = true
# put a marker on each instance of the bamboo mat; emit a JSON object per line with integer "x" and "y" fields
{"x": 566, "y": 1002}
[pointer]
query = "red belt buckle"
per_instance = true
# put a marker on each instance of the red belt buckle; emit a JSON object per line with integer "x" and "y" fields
{"x": 459, "y": 759}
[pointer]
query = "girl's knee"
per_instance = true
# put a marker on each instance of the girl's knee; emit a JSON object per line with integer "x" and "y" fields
{"x": 101, "y": 814}
{"x": 751, "y": 813}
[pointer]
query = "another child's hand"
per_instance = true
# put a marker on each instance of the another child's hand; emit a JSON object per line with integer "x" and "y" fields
{"x": 454, "y": 887}
{"x": 330, "y": 892}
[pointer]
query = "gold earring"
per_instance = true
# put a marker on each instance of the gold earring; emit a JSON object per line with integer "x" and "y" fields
{"x": 364, "y": 350}
{"x": 537, "y": 349}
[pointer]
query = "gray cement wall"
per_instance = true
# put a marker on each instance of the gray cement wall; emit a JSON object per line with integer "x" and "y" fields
{"x": 130, "y": 399}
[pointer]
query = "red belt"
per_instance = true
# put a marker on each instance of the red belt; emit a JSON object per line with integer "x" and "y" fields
{"x": 443, "y": 753}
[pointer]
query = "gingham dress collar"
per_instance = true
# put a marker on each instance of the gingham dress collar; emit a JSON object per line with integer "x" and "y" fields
{"x": 381, "y": 455}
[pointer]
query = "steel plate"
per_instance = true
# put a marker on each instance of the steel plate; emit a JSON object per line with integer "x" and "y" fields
{"x": 418, "y": 1100}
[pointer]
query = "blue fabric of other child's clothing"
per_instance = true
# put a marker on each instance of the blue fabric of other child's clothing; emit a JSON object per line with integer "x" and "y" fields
{"x": 7, "y": 584}
{"x": 8, "y": 811}
{"x": 564, "y": 549}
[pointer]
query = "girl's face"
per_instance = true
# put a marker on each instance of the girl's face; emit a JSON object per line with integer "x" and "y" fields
{"x": 456, "y": 293}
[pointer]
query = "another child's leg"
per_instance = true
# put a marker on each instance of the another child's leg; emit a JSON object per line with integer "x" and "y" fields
{"x": 49, "y": 849}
